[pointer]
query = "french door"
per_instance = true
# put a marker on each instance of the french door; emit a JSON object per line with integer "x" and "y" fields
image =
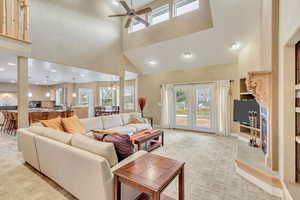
{"x": 195, "y": 107}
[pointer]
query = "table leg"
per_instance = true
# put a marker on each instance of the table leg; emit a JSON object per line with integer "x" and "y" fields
{"x": 155, "y": 196}
{"x": 181, "y": 184}
{"x": 139, "y": 146}
{"x": 117, "y": 188}
{"x": 162, "y": 139}
{"x": 146, "y": 146}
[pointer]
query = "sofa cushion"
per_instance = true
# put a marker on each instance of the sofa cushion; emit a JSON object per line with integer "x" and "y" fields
{"x": 104, "y": 149}
{"x": 73, "y": 125}
{"x": 122, "y": 143}
{"x": 141, "y": 126}
{"x": 111, "y": 121}
{"x": 53, "y": 123}
{"x": 125, "y": 118}
{"x": 136, "y": 114}
{"x": 124, "y": 129}
{"x": 51, "y": 133}
{"x": 136, "y": 120}
{"x": 92, "y": 123}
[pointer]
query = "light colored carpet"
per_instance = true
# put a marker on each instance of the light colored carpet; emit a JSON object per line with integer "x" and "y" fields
{"x": 209, "y": 171}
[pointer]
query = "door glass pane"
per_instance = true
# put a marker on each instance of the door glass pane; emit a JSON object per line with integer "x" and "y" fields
{"x": 181, "y": 105}
{"x": 203, "y": 108}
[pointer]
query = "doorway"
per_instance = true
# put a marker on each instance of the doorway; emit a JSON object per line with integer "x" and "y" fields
{"x": 195, "y": 107}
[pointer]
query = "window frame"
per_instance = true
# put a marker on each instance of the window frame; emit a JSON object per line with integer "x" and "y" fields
{"x": 158, "y": 9}
{"x": 61, "y": 98}
{"x": 130, "y": 29}
{"x": 101, "y": 96}
{"x": 132, "y": 97}
{"x": 175, "y": 14}
{"x": 79, "y": 97}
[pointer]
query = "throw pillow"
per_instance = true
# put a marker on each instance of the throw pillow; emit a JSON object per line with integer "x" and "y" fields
{"x": 122, "y": 143}
{"x": 73, "y": 125}
{"x": 136, "y": 120}
{"x": 53, "y": 123}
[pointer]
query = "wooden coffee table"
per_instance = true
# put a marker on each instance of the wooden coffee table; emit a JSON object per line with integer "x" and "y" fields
{"x": 151, "y": 140}
{"x": 150, "y": 174}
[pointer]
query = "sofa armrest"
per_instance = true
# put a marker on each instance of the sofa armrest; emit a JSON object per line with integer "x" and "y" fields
{"x": 131, "y": 158}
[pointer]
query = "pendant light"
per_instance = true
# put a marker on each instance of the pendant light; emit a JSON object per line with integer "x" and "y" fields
{"x": 74, "y": 95}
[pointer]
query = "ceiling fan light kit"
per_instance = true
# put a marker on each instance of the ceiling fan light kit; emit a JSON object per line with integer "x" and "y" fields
{"x": 133, "y": 14}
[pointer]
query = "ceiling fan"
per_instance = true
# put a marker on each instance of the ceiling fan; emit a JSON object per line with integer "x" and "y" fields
{"x": 131, "y": 13}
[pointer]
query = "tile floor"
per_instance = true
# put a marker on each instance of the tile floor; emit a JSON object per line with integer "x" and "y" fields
{"x": 209, "y": 172}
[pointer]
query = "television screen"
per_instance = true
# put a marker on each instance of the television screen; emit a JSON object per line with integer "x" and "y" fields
{"x": 241, "y": 109}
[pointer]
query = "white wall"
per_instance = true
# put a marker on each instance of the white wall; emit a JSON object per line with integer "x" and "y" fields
{"x": 78, "y": 33}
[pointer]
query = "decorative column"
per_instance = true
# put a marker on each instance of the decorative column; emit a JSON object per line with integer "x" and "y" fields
{"x": 23, "y": 117}
{"x": 3, "y": 16}
{"x": 25, "y": 6}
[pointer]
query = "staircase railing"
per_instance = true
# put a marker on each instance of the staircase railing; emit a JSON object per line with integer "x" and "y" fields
{"x": 14, "y": 19}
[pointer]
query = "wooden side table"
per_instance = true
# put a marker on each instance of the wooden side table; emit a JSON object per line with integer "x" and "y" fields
{"x": 150, "y": 174}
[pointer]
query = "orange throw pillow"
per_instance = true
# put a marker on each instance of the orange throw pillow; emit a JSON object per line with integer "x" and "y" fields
{"x": 53, "y": 123}
{"x": 73, "y": 125}
{"x": 135, "y": 120}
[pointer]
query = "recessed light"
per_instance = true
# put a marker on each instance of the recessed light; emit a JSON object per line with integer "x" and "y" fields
{"x": 187, "y": 55}
{"x": 53, "y": 70}
{"x": 152, "y": 62}
{"x": 235, "y": 46}
{"x": 11, "y": 64}
{"x": 2, "y": 69}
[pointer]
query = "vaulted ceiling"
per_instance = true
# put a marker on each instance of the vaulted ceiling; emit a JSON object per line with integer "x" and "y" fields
{"x": 233, "y": 21}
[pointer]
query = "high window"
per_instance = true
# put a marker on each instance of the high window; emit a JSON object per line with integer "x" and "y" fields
{"x": 129, "y": 96}
{"x": 83, "y": 96}
{"x": 185, "y": 6}
{"x": 136, "y": 25}
{"x": 160, "y": 14}
{"x": 59, "y": 96}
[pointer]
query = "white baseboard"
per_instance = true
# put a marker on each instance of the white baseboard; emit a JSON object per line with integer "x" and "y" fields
{"x": 266, "y": 187}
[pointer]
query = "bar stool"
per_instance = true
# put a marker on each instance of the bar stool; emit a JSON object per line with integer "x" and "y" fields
{"x": 1, "y": 120}
{"x": 14, "y": 123}
{"x": 5, "y": 126}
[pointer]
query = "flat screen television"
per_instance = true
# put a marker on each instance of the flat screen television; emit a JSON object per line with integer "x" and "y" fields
{"x": 241, "y": 109}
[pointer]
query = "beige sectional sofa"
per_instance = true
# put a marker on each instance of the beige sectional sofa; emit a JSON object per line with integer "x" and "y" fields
{"x": 77, "y": 162}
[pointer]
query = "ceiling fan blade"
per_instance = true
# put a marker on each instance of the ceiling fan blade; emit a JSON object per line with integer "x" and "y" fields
{"x": 125, "y": 5}
{"x": 119, "y": 15}
{"x": 141, "y": 20}
{"x": 128, "y": 22}
{"x": 143, "y": 11}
